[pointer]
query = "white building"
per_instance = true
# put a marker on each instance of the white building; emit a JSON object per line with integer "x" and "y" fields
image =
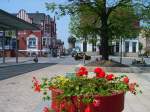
{"x": 130, "y": 47}
{"x": 79, "y": 44}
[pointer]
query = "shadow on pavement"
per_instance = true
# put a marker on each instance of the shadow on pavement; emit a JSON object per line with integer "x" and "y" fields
{"x": 15, "y": 70}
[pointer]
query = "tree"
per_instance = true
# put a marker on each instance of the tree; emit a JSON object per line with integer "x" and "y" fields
{"x": 140, "y": 47}
{"x": 102, "y": 12}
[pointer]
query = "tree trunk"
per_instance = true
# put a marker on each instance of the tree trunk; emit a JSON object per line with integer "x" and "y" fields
{"x": 104, "y": 47}
{"x": 93, "y": 44}
{"x": 104, "y": 33}
{"x": 104, "y": 39}
{"x": 85, "y": 44}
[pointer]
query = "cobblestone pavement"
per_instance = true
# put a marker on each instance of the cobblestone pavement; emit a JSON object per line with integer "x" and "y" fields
{"x": 16, "y": 94}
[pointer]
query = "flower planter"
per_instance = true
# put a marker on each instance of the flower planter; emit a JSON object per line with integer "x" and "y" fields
{"x": 113, "y": 103}
{"x": 85, "y": 92}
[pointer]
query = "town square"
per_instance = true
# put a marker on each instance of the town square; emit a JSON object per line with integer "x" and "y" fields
{"x": 75, "y": 56}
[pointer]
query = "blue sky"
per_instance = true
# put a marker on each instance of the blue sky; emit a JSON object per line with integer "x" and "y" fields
{"x": 13, "y": 6}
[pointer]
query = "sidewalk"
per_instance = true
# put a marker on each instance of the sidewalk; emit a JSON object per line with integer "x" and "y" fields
{"x": 16, "y": 94}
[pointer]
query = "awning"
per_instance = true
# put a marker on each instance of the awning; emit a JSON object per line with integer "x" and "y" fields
{"x": 11, "y": 22}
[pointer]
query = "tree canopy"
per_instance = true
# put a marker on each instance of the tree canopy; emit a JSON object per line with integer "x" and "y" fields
{"x": 108, "y": 18}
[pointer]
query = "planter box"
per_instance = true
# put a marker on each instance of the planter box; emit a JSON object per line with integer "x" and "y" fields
{"x": 113, "y": 103}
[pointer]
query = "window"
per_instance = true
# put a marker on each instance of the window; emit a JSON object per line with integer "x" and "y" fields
{"x": 126, "y": 46}
{"x": 134, "y": 46}
{"x": 32, "y": 43}
{"x": 117, "y": 47}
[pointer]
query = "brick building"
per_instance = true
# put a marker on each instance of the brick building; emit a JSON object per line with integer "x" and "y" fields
{"x": 40, "y": 41}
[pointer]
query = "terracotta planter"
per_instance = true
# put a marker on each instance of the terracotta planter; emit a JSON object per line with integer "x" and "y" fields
{"x": 113, "y": 103}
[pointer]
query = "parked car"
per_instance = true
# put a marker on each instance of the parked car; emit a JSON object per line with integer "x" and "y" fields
{"x": 80, "y": 55}
{"x": 73, "y": 53}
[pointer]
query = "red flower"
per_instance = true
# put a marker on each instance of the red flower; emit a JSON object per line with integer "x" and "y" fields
{"x": 54, "y": 105}
{"x": 37, "y": 88}
{"x": 110, "y": 77}
{"x": 82, "y": 71}
{"x": 97, "y": 70}
{"x": 101, "y": 75}
{"x": 82, "y": 68}
{"x": 45, "y": 109}
{"x": 62, "y": 105}
{"x": 87, "y": 109}
{"x": 126, "y": 80}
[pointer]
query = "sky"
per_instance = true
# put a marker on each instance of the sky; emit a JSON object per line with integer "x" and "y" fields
{"x": 13, "y": 6}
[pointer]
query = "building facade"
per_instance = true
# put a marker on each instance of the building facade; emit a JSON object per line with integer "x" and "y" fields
{"x": 38, "y": 42}
{"x": 128, "y": 47}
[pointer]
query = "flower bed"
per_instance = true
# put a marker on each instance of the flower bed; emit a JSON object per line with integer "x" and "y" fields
{"x": 86, "y": 92}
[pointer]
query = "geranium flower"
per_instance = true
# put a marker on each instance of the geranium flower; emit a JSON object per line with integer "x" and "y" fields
{"x": 37, "y": 88}
{"x": 82, "y": 68}
{"x": 62, "y": 105}
{"x": 110, "y": 77}
{"x": 100, "y": 75}
{"x": 97, "y": 70}
{"x": 82, "y": 71}
{"x": 36, "y": 84}
{"x": 54, "y": 105}
{"x": 126, "y": 80}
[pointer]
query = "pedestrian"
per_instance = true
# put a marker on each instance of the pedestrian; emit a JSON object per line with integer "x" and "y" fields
{"x": 35, "y": 58}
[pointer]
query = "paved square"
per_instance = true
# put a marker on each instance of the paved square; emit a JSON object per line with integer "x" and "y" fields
{"x": 16, "y": 94}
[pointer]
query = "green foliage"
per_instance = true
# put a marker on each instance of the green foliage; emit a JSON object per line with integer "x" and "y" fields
{"x": 108, "y": 19}
{"x": 83, "y": 86}
{"x": 71, "y": 40}
{"x": 140, "y": 46}
{"x": 146, "y": 32}
{"x": 124, "y": 23}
